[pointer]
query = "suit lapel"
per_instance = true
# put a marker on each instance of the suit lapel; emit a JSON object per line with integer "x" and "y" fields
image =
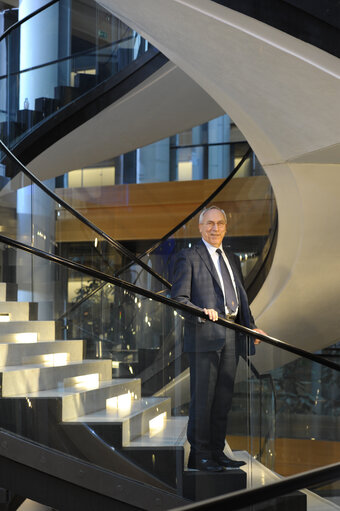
{"x": 204, "y": 254}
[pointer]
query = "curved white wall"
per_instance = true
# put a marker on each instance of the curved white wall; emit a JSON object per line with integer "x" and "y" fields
{"x": 284, "y": 96}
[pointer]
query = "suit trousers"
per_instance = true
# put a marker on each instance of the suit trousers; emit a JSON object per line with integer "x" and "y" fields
{"x": 212, "y": 376}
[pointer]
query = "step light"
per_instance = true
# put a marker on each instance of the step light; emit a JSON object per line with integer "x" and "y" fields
{"x": 84, "y": 381}
{"x": 5, "y": 317}
{"x": 121, "y": 403}
{"x": 48, "y": 359}
{"x": 25, "y": 337}
{"x": 157, "y": 424}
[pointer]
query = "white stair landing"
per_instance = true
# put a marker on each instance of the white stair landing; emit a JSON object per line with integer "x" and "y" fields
{"x": 133, "y": 420}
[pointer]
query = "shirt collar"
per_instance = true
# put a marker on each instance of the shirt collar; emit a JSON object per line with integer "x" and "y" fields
{"x": 211, "y": 248}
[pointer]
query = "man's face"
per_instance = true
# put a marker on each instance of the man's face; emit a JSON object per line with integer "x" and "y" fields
{"x": 213, "y": 228}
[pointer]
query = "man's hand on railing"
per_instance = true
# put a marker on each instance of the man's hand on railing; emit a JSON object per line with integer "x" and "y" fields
{"x": 259, "y": 331}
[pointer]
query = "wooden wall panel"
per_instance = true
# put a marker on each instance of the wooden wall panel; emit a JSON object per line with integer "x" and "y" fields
{"x": 148, "y": 211}
{"x": 294, "y": 455}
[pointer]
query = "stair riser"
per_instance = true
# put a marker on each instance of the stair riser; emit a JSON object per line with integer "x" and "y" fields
{"x": 45, "y": 330}
{"x": 139, "y": 424}
{"x": 81, "y": 404}
{"x": 8, "y": 291}
{"x": 120, "y": 433}
{"x": 20, "y": 311}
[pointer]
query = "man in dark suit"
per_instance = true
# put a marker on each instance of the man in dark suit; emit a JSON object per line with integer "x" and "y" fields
{"x": 209, "y": 277}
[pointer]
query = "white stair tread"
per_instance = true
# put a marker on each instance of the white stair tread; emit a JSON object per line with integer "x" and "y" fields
{"x": 111, "y": 415}
{"x": 173, "y": 434}
{"x": 26, "y": 367}
{"x": 70, "y": 391}
{"x": 42, "y": 342}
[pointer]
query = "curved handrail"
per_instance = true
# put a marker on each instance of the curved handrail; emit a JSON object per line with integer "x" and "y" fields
{"x": 167, "y": 301}
{"x": 243, "y": 498}
{"x": 118, "y": 246}
{"x": 29, "y": 16}
{"x": 252, "y": 283}
{"x": 68, "y": 57}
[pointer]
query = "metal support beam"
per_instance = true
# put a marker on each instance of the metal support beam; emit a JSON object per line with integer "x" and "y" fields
{"x": 65, "y": 482}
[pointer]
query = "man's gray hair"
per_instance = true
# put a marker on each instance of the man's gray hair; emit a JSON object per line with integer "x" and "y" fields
{"x": 205, "y": 210}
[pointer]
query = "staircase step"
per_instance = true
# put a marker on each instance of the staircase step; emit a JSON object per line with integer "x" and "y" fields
{"x": 2, "y": 291}
{"x": 8, "y": 291}
{"x": 84, "y": 401}
{"x": 27, "y": 331}
{"x": 19, "y": 311}
{"x": 164, "y": 453}
{"x": 174, "y": 434}
{"x": 13, "y": 354}
{"x": 127, "y": 423}
{"x": 201, "y": 485}
{"x": 31, "y": 378}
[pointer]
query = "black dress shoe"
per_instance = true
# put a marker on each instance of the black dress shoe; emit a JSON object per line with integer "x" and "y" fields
{"x": 223, "y": 460}
{"x": 206, "y": 464}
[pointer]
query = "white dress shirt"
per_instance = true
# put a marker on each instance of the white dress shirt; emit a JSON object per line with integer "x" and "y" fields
{"x": 215, "y": 257}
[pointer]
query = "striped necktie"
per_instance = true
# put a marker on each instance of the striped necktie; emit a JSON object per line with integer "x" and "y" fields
{"x": 229, "y": 291}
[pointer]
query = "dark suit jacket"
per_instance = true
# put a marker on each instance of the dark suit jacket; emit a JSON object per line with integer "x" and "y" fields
{"x": 196, "y": 283}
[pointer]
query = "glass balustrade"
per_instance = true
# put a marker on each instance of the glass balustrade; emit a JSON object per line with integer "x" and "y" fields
{"x": 303, "y": 410}
{"x": 51, "y": 59}
{"x": 32, "y": 216}
{"x": 285, "y": 413}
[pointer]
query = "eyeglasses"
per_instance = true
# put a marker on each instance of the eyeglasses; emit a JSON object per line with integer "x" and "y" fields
{"x": 219, "y": 225}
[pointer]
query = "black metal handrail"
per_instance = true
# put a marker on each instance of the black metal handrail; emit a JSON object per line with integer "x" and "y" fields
{"x": 167, "y": 301}
{"x": 243, "y": 498}
{"x": 118, "y": 246}
{"x": 69, "y": 57}
{"x": 29, "y": 16}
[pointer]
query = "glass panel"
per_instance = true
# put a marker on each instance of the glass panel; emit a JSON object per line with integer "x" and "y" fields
{"x": 81, "y": 400}
{"x": 31, "y": 216}
{"x": 134, "y": 373}
{"x": 300, "y": 414}
{"x": 62, "y": 63}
